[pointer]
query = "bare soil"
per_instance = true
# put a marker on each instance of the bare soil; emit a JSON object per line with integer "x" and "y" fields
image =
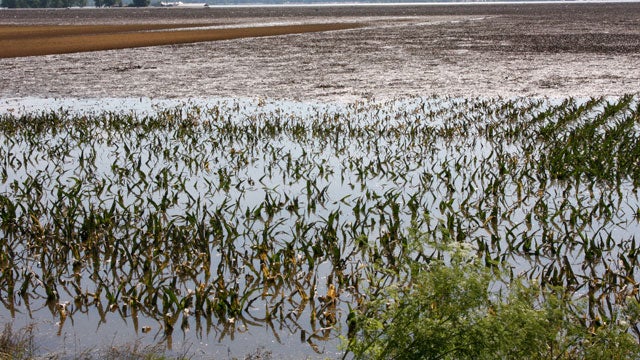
{"x": 487, "y": 50}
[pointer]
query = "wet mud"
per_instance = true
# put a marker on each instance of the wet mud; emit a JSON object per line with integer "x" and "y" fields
{"x": 554, "y": 50}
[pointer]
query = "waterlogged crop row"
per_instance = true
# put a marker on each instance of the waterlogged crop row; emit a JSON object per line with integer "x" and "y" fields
{"x": 225, "y": 217}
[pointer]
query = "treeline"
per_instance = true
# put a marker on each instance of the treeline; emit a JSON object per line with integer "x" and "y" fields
{"x": 111, "y": 3}
{"x": 42, "y": 3}
{"x": 280, "y": 2}
{"x": 70, "y": 3}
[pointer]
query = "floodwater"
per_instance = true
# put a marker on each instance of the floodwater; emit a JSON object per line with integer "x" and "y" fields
{"x": 515, "y": 50}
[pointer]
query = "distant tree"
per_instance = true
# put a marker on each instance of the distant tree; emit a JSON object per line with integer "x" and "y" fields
{"x": 28, "y": 3}
{"x": 44, "y": 3}
{"x": 110, "y": 3}
{"x": 141, "y": 3}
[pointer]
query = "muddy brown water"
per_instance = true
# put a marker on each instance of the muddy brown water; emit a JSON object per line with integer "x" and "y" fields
{"x": 23, "y": 41}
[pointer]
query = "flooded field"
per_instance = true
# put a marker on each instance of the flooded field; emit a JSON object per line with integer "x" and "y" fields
{"x": 212, "y": 225}
{"x": 223, "y": 197}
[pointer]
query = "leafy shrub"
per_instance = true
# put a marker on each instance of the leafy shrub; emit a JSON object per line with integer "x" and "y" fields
{"x": 459, "y": 309}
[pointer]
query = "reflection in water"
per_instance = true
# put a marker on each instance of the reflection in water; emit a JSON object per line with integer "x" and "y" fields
{"x": 213, "y": 221}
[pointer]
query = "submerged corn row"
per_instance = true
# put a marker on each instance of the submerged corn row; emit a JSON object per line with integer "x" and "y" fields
{"x": 230, "y": 218}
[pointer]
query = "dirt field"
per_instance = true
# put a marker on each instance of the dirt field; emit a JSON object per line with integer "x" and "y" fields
{"x": 573, "y": 49}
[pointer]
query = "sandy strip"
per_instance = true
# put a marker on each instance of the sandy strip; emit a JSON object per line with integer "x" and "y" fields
{"x": 15, "y": 32}
{"x": 18, "y": 41}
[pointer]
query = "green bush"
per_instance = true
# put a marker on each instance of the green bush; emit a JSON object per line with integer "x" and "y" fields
{"x": 459, "y": 309}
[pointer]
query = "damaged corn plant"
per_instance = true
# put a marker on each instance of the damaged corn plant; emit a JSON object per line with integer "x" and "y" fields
{"x": 223, "y": 217}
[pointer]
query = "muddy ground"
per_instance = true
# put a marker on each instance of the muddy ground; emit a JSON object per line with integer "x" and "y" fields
{"x": 572, "y": 49}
